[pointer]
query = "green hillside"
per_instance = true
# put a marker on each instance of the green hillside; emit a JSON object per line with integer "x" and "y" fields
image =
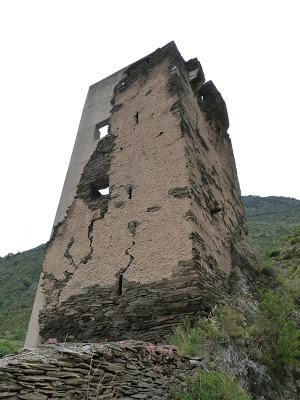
{"x": 19, "y": 274}
{"x": 283, "y": 262}
{"x": 269, "y": 219}
{"x": 272, "y": 223}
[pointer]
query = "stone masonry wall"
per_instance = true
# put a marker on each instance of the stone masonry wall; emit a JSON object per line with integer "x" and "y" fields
{"x": 216, "y": 213}
{"x": 159, "y": 247}
{"x": 125, "y": 370}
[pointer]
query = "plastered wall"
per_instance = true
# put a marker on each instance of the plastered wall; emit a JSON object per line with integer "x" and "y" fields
{"x": 157, "y": 248}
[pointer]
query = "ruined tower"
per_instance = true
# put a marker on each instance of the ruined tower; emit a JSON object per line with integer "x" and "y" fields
{"x": 150, "y": 213}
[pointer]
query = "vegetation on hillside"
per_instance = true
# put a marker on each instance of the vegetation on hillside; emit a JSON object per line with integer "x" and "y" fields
{"x": 19, "y": 274}
{"x": 274, "y": 333}
{"x": 283, "y": 264}
{"x": 211, "y": 385}
{"x": 269, "y": 219}
{"x": 270, "y": 337}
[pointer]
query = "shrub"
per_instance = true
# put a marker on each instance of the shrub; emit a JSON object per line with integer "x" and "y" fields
{"x": 275, "y": 333}
{"x": 232, "y": 322}
{"x": 211, "y": 386}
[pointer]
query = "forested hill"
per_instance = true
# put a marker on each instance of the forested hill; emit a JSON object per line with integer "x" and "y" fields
{"x": 270, "y": 219}
{"x": 19, "y": 275}
{"x": 283, "y": 207}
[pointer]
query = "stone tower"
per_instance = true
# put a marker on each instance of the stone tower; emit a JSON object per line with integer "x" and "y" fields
{"x": 150, "y": 213}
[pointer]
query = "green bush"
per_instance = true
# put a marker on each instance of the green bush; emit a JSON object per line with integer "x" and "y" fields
{"x": 211, "y": 386}
{"x": 8, "y": 346}
{"x": 274, "y": 332}
{"x": 232, "y": 322}
{"x": 190, "y": 338}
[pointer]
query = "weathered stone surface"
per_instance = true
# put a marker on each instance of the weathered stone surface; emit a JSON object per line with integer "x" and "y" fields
{"x": 132, "y": 370}
{"x": 180, "y": 192}
{"x": 142, "y": 311}
{"x": 32, "y": 396}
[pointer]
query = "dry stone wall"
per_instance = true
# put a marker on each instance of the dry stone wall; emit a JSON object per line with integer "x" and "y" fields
{"x": 125, "y": 370}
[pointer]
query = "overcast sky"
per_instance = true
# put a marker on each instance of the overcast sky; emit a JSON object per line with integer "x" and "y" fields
{"x": 51, "y": 51}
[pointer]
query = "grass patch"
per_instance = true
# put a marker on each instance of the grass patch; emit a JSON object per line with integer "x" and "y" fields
{"x": 9, "y": 346}
{"x": 211, "y": 386}
{"x": 190, "y": 337}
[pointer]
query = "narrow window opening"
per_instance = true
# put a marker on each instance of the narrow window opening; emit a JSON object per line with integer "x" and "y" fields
{"x": 120, "y": 284}
{"x": 130, "y": 192}
{"x": 101, "y": 130}
{"x": 136, "y": 116}
{"x": 99, "y": 189}
{"x": 104, "y": 191}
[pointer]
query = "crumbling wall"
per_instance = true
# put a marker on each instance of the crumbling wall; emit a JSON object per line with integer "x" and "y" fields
{"x": 133, "y": 263}
{"x": 96, "y": 110}
{"x": 126, "y": 370}
{"x": 216, "y": 213}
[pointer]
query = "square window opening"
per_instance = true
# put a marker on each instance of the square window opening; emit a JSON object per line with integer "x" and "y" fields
{"x": 101, "y": 130}
{"x": 99, "y": 190}
{"x": 104, "y": 191}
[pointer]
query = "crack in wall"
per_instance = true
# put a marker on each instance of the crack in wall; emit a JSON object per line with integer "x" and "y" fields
{"x": 132, "y": 225}
{"x": 86, "y": 258}
{"x": 67, "y": 252}
{"x": 131, "y": 259}
{"x": 123, "y": 271}
{"x": 53, "y": 293}
{"x": 59, "y": 284}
